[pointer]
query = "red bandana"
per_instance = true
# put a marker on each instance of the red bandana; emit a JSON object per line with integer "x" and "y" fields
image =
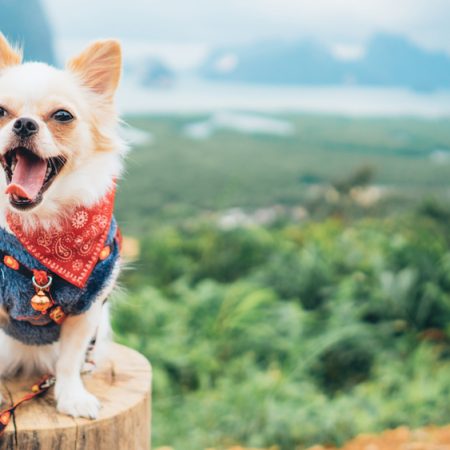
{"x": 72, "y": 250}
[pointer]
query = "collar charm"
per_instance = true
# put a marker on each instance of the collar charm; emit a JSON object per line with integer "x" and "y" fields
{"x": 42, "y": 300}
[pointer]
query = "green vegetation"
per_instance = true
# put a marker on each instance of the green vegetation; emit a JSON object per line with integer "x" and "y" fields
{"x": 299, "y": 331}
{"x": 178, "y": 177}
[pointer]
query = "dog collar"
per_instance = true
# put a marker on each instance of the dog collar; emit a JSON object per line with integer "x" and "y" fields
{"x": 73, "y": 249}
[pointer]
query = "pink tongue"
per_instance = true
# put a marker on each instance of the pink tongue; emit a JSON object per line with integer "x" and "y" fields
{"x": 28, "y": 176}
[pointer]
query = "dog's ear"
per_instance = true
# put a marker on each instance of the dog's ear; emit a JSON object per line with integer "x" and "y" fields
{"x": 9, "y": 56}
{"x": 99, "y": 66}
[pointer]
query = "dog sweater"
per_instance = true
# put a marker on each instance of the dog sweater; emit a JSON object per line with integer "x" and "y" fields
{"x": 73, "y": 287}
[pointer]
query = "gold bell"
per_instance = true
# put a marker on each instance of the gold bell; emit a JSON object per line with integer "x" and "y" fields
{"x": 41, "y": 302}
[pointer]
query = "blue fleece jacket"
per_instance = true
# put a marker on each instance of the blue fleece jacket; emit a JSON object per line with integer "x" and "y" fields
{"x": 16, "y": 291}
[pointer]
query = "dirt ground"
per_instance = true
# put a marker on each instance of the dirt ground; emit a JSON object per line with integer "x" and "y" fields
{"x": 430, "y": 438}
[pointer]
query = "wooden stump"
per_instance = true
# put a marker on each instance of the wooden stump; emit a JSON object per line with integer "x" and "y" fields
{"x": 122, "y": 384}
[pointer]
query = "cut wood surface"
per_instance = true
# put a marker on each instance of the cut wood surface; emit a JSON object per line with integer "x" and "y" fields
{"x": 122, "y": 384}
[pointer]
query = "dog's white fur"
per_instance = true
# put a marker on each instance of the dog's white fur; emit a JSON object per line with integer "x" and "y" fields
{"x": 94, "y": 159}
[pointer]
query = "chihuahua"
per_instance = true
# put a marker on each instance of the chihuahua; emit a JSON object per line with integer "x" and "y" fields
{"x": 59, "y": 243}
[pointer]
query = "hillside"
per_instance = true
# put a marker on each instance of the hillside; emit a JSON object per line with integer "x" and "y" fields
{"x": 207, "y": 164}
{"x": 285, "y": 302}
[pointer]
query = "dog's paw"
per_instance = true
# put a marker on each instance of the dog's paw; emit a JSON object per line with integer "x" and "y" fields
{"x": 78, "y": 403}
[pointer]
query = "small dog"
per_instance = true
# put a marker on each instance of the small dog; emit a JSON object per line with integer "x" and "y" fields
{"x": 59, "y": 246}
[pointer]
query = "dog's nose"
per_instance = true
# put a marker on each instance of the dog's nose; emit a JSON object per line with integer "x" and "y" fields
{"x": 25, "y": 127}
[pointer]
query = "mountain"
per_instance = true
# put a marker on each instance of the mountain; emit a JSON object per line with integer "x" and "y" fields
{"x": 25, "y": 22}
{"x": 155, "y": 73}
{"x": 393, "y": 60}
{"x": 272, "y": 62}
{"x": 389, "y": 60}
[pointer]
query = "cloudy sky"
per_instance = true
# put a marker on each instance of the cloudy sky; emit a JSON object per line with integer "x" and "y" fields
{"x": 229, "y": 21}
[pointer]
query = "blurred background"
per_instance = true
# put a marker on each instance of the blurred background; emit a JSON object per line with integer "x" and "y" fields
{"x": 286, "y": 207}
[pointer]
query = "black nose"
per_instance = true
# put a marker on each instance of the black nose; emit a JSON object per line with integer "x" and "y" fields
{"x": 25, "y": 127}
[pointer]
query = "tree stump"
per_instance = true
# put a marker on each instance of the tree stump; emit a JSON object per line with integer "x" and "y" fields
{"x": 122, "y": 384}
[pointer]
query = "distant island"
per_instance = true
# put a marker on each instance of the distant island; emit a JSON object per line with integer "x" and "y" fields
{"x": 155, "y": 73}
{"x": 388, "y": 60}
{"x": 25, "y": 23}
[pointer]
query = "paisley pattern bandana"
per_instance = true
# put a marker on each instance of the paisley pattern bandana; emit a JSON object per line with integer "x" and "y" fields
{"x": 71, "y": 250}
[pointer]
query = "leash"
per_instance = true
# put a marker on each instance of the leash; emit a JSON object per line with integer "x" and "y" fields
{"x": 43, "y": 385}
{"x": 40, "y": 388}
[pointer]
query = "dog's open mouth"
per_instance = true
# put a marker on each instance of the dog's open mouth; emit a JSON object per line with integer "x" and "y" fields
{"x": 28, "y": 176}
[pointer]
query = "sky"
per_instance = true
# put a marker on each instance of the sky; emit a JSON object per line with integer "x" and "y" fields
{"x": 225, "y": 22}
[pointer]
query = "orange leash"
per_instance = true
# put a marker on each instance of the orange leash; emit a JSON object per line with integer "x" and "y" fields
{"x": 46, "y": 382}
{"x": 37, "y": 389}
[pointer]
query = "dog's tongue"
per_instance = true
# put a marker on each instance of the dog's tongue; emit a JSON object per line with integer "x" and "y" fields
{"x": 28, "y": 176}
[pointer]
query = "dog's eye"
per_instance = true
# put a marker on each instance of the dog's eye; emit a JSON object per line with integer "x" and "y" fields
{"x": 62, "y": 116}
{"x": 3, "y": 112}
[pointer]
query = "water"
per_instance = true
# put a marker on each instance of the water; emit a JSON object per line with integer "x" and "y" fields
{"x": 198, "y": 96}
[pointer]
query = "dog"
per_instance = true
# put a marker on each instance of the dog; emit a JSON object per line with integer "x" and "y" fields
{"x": 61, "y": 154}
